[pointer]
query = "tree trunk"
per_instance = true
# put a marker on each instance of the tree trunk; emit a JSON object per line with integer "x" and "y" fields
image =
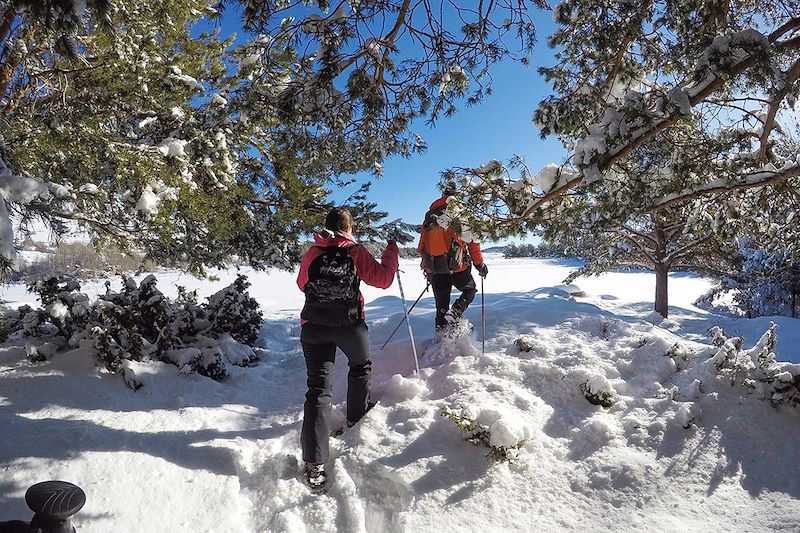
{"x": 661, "y": 266}
{"x": 662, "y": 303}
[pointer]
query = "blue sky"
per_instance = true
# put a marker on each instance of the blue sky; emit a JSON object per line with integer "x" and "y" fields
{"x": 498, "y": 128}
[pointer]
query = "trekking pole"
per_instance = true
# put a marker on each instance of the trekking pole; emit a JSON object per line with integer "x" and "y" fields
{"x": 408, "y": 322}
{"x": 483, "y": 318}
{"x": 404, "y": 317}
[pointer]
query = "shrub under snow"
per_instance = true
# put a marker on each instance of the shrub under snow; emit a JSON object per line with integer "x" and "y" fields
{"x": 757, "y": 368}
{"x": 139, "y": 323}
{"x": 524, "y": 344}
{"x": 502, "y": 435}
{"x": 598, "y": 390}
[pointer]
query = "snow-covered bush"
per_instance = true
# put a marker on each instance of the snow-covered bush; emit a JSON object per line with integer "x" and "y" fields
{"x": 503, "y": 441}
{"x": 680, "y": 355}
{"x": 759, "y": 282}
{"x": 757, "y": 368}
{"x": 687, "y": 413}
{"x": 232, "y": 310}
{"x": 524, "y": 344}
{"x": 598, "y": 391}
{"x": 139, "y": 323}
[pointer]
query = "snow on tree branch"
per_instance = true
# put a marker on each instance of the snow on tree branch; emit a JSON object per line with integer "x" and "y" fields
{"x": 629, "y": 77}
{"x": 365, "y": 71}
{"x": 758, "y": 178}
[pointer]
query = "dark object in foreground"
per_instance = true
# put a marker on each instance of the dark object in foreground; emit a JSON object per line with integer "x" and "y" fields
{"x": 53, "y": 503}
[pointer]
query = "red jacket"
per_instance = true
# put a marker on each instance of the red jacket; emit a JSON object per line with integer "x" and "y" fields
{"x": 371, "y": 272}
{"x": 450, "y": 235}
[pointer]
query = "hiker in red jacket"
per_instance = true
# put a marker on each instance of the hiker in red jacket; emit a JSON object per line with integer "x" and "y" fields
{"x": 333, "y": 316}
{"x": 447, "y": 260}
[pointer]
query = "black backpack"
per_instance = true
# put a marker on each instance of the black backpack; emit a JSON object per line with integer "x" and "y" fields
{"x": 332, "y": 290}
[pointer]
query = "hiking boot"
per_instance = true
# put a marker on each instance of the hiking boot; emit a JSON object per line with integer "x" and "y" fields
{"x": 453, "y": 330}
{"x": 452, "y": 316}
{"x": 316, "y": 477}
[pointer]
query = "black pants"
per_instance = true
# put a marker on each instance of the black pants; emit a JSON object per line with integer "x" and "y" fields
{"x": 319, "y": 348}
{"x": 442, "y": 285}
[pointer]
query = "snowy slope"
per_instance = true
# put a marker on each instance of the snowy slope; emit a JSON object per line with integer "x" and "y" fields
{"x": 186, "y": 453}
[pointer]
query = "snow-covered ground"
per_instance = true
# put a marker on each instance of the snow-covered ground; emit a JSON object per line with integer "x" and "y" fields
{"x": 186, "y": 453}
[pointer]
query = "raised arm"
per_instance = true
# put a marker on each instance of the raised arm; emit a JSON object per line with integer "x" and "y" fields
{"x": 372, "y": 272}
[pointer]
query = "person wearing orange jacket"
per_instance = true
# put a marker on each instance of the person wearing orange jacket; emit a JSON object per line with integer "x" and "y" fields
{"x": 447, "y": 261}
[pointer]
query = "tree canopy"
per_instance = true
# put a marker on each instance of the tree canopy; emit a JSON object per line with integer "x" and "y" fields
{"x": 716, "y": 80}
{"x": 127, "y": 119}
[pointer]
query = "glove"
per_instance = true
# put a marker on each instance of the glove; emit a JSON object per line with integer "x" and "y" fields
{"x": 398, "y": 236}
{"x": 482, "y": 269}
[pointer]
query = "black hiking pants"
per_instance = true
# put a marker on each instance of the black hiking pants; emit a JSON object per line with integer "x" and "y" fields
{"x": 442, "y": 285}
{"x": 319, "y": 348}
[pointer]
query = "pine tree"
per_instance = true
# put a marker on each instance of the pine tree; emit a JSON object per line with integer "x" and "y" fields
{"x": 614, "y": 231}
{"x": 363, "y": 71}
{"x": 137, "y": 143}
{"x": 627, "y": 72}
{"x": 717, "y": 80}
{"x": 191, "y": 149}
{"x": 660, "y": 242}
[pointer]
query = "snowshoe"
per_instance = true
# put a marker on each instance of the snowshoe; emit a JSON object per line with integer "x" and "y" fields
{"x": 316, "y": 478}
{"x": 449, "y": 342}
{"x": 456, "y": 327}
{"x": 452, "y": 316}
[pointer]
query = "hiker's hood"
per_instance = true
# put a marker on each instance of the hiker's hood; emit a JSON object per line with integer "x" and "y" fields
{"x": 439, "y": 203}
{"x": 326, "y": 238}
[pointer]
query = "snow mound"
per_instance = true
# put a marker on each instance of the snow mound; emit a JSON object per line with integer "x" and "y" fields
{"x": 400, "y": 389}
{"x": 699, "y": 431}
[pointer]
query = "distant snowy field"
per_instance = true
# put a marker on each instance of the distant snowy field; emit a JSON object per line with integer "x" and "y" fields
{"x": 187, "y": 454}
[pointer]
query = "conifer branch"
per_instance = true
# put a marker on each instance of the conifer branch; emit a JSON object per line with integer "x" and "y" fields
{"x": 774, "y": 105}
{"x": 750, "y": 180}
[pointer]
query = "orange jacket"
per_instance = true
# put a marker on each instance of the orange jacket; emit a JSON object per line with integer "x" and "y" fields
{"x": 438, "y": 242}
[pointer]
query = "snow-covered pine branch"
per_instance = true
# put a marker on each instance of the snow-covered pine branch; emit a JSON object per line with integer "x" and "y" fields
{"x": 654, "y": 73}
{"x": 362, "y": 74}
{"x": 758, "y": 178}
{"x": 757, "y": 368}
{"x": 193, "y": 150}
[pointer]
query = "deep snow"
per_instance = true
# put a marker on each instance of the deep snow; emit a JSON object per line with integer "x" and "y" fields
{"x": 186, "y": 453}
